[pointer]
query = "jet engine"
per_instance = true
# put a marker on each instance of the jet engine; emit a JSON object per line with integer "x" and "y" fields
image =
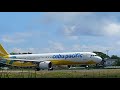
{"x": 45, "y": 65}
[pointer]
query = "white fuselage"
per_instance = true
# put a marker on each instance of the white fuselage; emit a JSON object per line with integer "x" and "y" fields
{"x": 62, "y": 58}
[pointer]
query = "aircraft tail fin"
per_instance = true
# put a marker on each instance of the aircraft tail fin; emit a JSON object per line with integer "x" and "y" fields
{"x": 3, "y": 52}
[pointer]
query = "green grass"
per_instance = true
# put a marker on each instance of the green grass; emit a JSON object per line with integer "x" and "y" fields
{"x": 97, "y": 73}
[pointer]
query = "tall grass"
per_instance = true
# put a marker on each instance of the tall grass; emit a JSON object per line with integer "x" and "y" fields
{"x": 104, "y": 73}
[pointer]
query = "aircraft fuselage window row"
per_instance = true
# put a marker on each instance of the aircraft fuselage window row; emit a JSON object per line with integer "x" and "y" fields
{"x": 93, "y": 55}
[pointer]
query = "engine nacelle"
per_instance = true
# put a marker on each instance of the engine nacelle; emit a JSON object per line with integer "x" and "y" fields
{"x": 45, "y": 65}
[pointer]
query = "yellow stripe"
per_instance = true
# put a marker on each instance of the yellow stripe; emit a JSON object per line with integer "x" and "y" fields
{"x": 18, "y": 63}
{"x": 23, "y": 64}
{"x": 64, "y": 62}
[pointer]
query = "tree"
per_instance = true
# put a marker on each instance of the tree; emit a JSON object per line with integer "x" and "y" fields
{"x": 115, "y": 57}
{"x": 12, "y": 53}
{"x": 117, "y": 62}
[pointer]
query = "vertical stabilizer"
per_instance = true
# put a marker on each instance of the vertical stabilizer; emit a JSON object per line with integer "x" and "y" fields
{"x": 3, "y": 52}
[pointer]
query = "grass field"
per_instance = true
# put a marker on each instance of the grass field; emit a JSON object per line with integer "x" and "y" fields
{"x": 93, "y": 73}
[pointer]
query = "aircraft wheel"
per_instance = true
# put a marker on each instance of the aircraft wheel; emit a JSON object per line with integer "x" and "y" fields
{"x": 37, "y": 69}
{"x": 50, "y": 69}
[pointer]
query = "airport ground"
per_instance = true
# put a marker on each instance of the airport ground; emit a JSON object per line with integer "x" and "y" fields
{"x": 71, "y": 73}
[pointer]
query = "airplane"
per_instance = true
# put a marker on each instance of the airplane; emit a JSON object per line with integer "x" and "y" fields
{"x": 48, "y": 60}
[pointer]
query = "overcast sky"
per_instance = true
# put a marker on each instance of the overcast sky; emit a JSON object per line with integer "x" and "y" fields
{"x": 43, "y": 32}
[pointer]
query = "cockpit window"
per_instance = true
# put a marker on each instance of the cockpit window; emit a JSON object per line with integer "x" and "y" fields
{"x": 93, "y": 55}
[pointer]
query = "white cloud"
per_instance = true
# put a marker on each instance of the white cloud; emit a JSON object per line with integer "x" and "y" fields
{"x": 75, "y": 24}
{"x": 53, "y": 47}
{"x": 69, "y": 30}
{"x": 46, "y": 50}
{"x": 112, "y": 29}
{"x": 17, "y": 37}
{"x": 59, "y": 47}
{"x": 73, "y": 37}
{"x": 24, "y": 34}
{"x": 17, "y": 50}
{"x": 65, "y": 17}
{"x": 25, "y": 50}
{"x": 91, "y": 48}
{"x": 9, "y": 39}
{"x": 118, "y": 42}
{"x": 56, "y": 46}
{"x": 76, "y": 48}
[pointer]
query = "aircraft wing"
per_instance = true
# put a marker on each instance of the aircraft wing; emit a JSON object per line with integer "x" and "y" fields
{"x": 28, "y": 60}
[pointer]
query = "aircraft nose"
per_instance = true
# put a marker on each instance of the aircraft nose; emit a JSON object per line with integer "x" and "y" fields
{"x": 99, "y": 58}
